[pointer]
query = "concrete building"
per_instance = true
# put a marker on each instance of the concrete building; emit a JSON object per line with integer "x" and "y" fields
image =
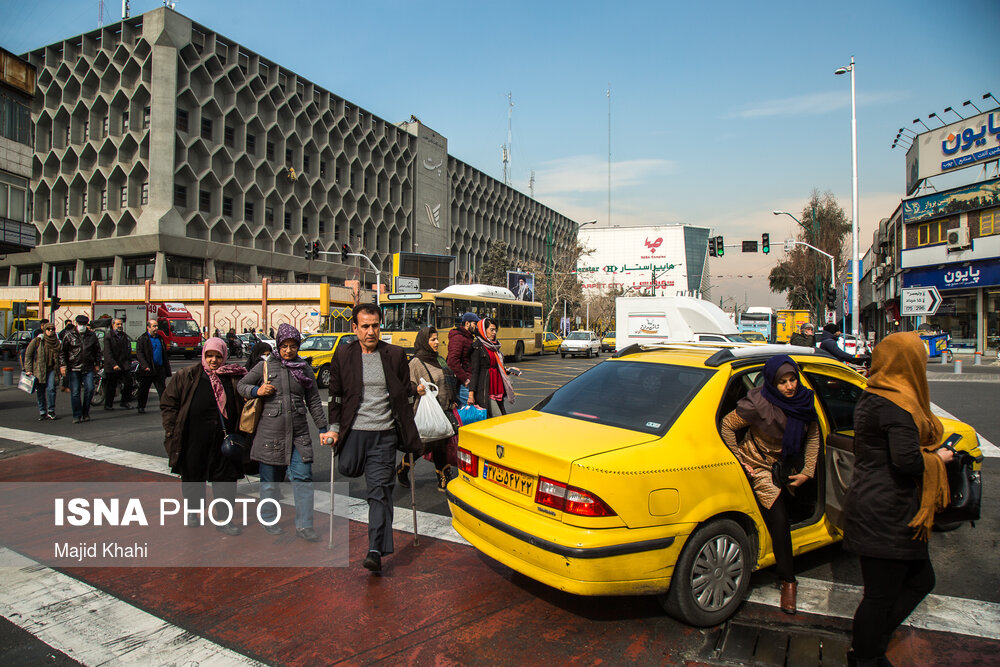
{"x": 17, "y": 88}
{"x": 163, "y": 150}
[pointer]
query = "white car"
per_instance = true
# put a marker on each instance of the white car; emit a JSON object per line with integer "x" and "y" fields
{"x": 851, "y": 345}
{"x": 582, "y": 343}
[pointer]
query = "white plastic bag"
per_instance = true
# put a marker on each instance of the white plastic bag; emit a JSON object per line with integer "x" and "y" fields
{"x": 432, "y": 424}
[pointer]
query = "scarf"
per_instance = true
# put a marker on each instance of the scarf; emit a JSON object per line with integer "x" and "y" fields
{"x": 297, "y": 365}
{"x": 775, "y": 415}
{"x": 51, "y": 346}
{"x": 215, "y": 345}
{"x": 492, "y": 348}
{"x": 934, "y": 494}
{"x": 422, "y": 347}
{"x": 899, "y": 374}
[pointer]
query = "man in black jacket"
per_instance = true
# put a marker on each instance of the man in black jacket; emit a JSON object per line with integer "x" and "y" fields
{"x": 117, "y": 363}
{"x": 80, "y": 359}
{"x": 828, "y": 342}
{"x": 804, "y": 337}
{"x": 154, "y": 366}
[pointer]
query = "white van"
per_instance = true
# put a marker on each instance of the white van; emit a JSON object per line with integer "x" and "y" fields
{"x": 671, "y": 319}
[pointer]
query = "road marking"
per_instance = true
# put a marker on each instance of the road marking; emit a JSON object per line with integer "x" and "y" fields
{"x": 94, "y": 627}
{"x": 941, "y": 613}
{"x": 985, "y": 446}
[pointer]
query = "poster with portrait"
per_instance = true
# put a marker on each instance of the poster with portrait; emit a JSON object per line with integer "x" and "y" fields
{"x": 522, "y": 285}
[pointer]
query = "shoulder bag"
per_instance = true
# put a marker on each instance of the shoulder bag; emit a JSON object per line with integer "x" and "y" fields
{"x": 966, "y": 487}
{"x": 234, "y": 445}
{"x": 253, "y": 409}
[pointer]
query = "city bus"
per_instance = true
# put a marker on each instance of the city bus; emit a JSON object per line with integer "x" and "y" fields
{"x": 759, "y": 319}
{"x": 519, "y": 322}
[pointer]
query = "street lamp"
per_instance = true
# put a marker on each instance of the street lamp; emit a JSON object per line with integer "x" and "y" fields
{"x": 854, "y": 201}
{"x": 792, "y": 217}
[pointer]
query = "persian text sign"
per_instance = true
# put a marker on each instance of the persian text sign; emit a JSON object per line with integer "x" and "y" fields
{"x": 962, "y": 144}
{"x": 919, "y": 301}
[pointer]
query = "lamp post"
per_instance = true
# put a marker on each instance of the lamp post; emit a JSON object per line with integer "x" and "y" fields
{"x": 854, "y": 200}
{"x": 815, "y": 239}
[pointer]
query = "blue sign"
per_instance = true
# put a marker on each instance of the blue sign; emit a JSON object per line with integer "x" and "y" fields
{"x": 955, "y": 276}
{"x": 958, "y": 200}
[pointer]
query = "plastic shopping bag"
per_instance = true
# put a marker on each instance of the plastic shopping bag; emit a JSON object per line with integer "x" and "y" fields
{"x": 432, "y": 424}
{"x": 470, "y": 414}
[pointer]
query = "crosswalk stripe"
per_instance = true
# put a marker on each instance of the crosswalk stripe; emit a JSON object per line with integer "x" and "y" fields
{"x": 942, "y": 613}
{"x": 985, "y": 446}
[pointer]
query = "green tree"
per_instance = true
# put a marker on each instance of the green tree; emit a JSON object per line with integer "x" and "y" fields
{"x": 496, "y": 264}
{"x": 804, "y": 274}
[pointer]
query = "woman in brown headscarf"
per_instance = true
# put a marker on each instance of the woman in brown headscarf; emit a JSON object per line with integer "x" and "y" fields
{"x": 892, "y": 423}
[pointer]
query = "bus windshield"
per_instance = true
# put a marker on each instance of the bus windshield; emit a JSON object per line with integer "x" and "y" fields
{"x": 406, "y": 316}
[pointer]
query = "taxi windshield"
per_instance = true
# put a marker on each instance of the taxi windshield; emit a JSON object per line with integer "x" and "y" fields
{"x": 318, "y": 343}
{"x": 648, "y": 396}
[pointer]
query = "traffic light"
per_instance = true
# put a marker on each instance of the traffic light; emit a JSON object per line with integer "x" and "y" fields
{"x": 765, "y": 243}
{"x": 343, "y": 252}
{"x": 54, "y": 304}
{"x": 711, "y": 247}
{"x": 316, "y": 250}
{"x": 720, "y": 247}
{"x": 308, "y": 251}
{"x": 831, "y": 296}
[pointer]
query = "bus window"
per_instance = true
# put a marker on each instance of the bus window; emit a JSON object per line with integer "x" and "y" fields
{"x": 506, "y": 319}
{"x": 445, "y": 317}
{"x": 406, "y": 316}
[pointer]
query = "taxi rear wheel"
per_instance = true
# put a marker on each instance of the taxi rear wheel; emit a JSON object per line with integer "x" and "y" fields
{"x": 712, "y": 576}
{"x": 323, "y": 377}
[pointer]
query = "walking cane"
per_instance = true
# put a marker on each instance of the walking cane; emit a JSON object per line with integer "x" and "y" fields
{"x": 413, "y": 501}
{"x": 332, "y": 467}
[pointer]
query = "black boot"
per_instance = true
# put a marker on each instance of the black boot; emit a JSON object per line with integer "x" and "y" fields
{"x": 403, "y": 473}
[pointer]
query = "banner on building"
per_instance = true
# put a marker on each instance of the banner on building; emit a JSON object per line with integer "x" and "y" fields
{"x": 968, "y": 142}
{"x": 522, "y": 285}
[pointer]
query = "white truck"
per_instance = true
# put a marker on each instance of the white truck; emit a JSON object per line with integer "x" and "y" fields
{"x": 671, "y": 319}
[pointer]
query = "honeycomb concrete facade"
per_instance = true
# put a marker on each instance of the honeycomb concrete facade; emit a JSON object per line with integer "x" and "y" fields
{"x": 164, "y": 150}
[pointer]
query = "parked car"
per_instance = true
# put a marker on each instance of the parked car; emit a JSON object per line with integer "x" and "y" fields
{"x": 851, "y": 345}
{"x": 608, "y": 343}
{"x": 619, "y": 483}
{"x": 580, "y": 343}
{"x": 550, "y": 342}
{"x": 17, "y": 342}
{"x": 319, "y": 349}
{"x": 754, "y": 337}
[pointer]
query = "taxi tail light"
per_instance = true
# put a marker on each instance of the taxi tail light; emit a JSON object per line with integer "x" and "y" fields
{"x": 569, "y": 499}
{"x": 468, "y": 462}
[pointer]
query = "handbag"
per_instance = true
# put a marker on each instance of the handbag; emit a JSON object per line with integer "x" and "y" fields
{"x": 966, "y": 487}
{"x": 469, "y": 414}
{"x": 234, "y": 445}
{"x": 253, "y": 409}
{"x": 782, "y": 469}
{"x": 27, "y": 383}
{"x": 350, "y": 456}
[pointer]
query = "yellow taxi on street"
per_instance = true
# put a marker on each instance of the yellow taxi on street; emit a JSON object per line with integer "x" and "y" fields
{"x": 619, "y": 483}
{"x": 319, "y": 348}
{"x": 754, "y": 337}
{"x": 608, "y": 342}
{"x": 550, "y": 342}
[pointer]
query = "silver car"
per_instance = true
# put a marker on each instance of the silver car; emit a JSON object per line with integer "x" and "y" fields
{"x": 581, "y": 343}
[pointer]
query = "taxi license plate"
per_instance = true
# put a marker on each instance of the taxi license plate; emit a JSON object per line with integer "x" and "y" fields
{"x": 510, "y": 479}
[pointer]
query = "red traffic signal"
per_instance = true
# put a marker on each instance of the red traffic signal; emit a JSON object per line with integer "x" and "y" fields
{"x": 343, "y": 252}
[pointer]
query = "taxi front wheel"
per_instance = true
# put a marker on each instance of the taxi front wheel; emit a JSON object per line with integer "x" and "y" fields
{"x": 712, "y": 576}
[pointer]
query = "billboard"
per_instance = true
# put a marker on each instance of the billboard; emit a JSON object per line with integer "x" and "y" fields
{"x": 635, "y": 260}
{"x": 959, "y": 200}
{"x": 522, "y": 285}
{"x": 968, "y": 142}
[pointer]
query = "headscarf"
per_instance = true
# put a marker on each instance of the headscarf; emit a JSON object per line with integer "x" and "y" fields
{"x": 831, "y": 328}
{"x": 774, "y": 414}
{"x": 257, "y": 353}
{"x": 215, "y": 345}
{"x": 899, "y": 373}
{"x": 493, "y": 350}
{"x": 297, "y": 365}
{"x": 51, "y": 346}
{"x": 422, "y": 349}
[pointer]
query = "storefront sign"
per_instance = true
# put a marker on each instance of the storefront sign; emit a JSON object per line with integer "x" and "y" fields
{"x": 969, "y": 141}
{"x": 920, "y": 301}
{"x": 955, "y": 276}
{"x": 968, "y": 198}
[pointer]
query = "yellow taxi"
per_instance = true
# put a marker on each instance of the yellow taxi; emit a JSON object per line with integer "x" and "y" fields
{"x": 754, "y": 337}
{"x": 319, "y": 349}
{"x": 608, "y": 343}
{"x": 550, "y": 342}
{"x": 613, "y": 485}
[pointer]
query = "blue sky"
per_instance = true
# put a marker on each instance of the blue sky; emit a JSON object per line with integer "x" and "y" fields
{"x": 720, "y": 112}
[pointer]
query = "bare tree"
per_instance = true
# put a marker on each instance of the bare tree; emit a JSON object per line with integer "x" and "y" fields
{"x": 560, "y": 284}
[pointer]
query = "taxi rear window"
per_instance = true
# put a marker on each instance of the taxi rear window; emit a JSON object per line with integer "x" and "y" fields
{"x": 634, "y": 395}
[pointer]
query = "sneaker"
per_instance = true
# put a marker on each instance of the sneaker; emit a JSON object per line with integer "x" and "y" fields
{"x": 85, "y": 418}
{"x": 373, "y": 561}
{"x": 52, "y": 416}
{"x": 274, "y": 530}
{"x": 307, "y": 534}
{"x": 77, "y": 420}
{"x": 109, "y": 407}
{"x": 230, "y": 529}
{"x": 41, "y": 417}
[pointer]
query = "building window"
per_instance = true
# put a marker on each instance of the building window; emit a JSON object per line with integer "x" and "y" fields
{"x": 124, "y": 196}
{"x": 144, "y": 194}
{"x": 180, "y": 195}
{"x": 268, "y": 214}
{"x": 138, "y": 270}
{"x": 182, "y": 120}
{"x": 66, "y": 274}
{"x": 15, "y": 120}
{"x": 226, "y": 272}
{"x": 204, "y": 201}
{"x": 13, "y": 198}
{"x": 206, "y": 128}
{"x": 248, "y": 210}
{"x": 288, "y": 157}
{"x": 305, "y": 224}
{"x": 270, "y": 150}
{"x": 988, "y": 222}
{"x": 125, "y": 121}
{"x": 105, "y": 126}
{"x": 229, "y": 136}
{"x": 104, "y": 199}
{"x": 288, "y": 221}
{"x": 185, "y": 269}
{"x": 251, "y": 144}
{"x": 69, "y": 138}
{"x": 336, "y": 174}
{"x": 29, "y": 276}
{"x": 227, "y": 207}
{"x": 931, "y": 233}
{"x": 86, "y": 130}
{"x": 322, "y": 168}
{"x": 83, "y": 203}
{"x": 101, "y": 269}
{"x": 145, "y": 118}
{"x": 66, "y": 204}
{"x": 322, "y": 226}
{"x": 305, "y": 163}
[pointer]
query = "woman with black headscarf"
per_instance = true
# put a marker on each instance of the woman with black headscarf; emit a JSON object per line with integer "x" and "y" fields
{"x": 257, "y": 354}
{"x": 782, "y": 437}
{"x": 427, "y": 365}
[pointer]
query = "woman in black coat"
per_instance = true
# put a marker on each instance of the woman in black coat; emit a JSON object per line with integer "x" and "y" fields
{"x": 488, "y": 375}
{"x": 892, "y": 422}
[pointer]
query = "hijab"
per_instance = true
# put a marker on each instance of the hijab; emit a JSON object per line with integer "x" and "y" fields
{"x": 899, "y": 373}
{"x": 774, "y": 414}
{"x": 422, "y": 349}
{"x": 493, "y": 350}
{"x": 257, "y": 353}
{"x": 215, "y": 345}
{"x": 297, "y": 365}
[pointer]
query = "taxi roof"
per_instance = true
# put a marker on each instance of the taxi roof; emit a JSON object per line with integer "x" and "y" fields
{"x": 714, "y": 355}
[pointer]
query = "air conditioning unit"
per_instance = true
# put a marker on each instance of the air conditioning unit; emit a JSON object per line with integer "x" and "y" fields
{"x": 958, "y": 238}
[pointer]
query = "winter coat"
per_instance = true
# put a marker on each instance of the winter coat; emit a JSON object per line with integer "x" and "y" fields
{"x": 347, "y": 385}
{"x": 479, "y": 371}
{"x": 117, "y": 352}
{"x": 283, "y": 425}
{"x": 432, "y": 373}
{"x": 885, "y": 490}
{"x": 828, "y": 342}
{"x": 37, "y": 362}
{"x": 802, "y": 340}
{"x": 459, "y": 349}
{"x": 80, "y": 352}
{"x": 176, "y": 402}
{"x": 144, "y": 355}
